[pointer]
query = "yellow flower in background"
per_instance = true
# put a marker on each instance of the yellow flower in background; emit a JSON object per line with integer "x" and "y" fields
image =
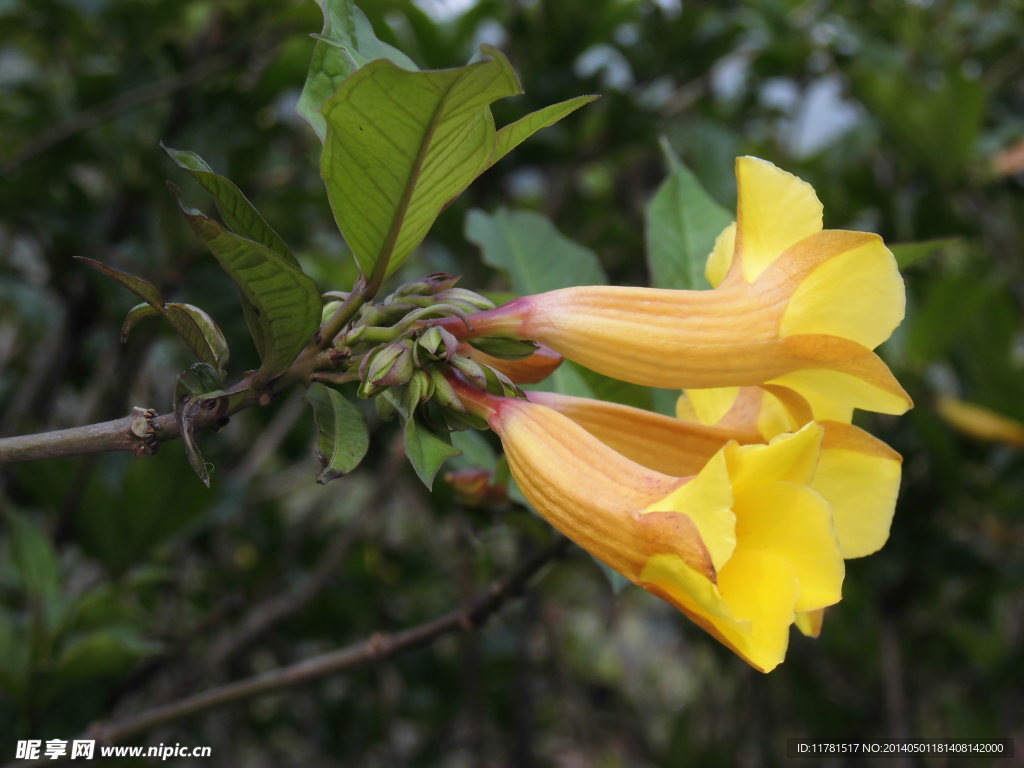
{"x": 743, "y": 545}
{"x": 980, "y": 422}
{"x": 793, "y": 306}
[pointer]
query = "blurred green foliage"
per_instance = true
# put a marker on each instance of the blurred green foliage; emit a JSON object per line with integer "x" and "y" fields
{"x": 126, "y": 583}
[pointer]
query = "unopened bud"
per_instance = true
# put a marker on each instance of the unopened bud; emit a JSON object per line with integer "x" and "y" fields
{"x": 465, "y": 298}
{"x": 473, "y": 371}
{"x": 437, "y": 343}
{"x": 328, "y": 310}
{"x": 440, "y": 281}
{"x": 444, "y": 395}
{"x": 385, "y": 408}
{"x": 386, "y": 366}
{"x": 424, "y": 383}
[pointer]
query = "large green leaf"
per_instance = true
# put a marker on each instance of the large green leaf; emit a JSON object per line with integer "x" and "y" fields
{"x": 342, "y": 437}
{"x": 514, "y": 134}
{"x": 400, "y": 145}
{"x": 285, "y": 301}
{"x": 527, "y": 248}
{"x": 682, "y": 222}
{"x": 347, "y": 41}
{"x": 938, "y": 127}
{"x": 239, "y": 214}
{"x": 427, "y": 450}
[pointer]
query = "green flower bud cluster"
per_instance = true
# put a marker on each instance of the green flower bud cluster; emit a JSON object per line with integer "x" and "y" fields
{"x": 403, "y": 362}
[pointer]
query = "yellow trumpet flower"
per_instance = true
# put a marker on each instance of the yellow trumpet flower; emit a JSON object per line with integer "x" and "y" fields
{"x": 741, "y": 546}
{"x": 793, "y": 306}
{"x": 857, "y": 474}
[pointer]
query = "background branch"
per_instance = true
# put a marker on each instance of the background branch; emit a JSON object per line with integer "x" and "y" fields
{"x": 90, "y": 118}
{"x": 378, "y": 647}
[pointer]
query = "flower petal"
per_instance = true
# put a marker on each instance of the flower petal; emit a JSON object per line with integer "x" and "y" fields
{"x": 525, "y": 370}
{"x": 860, "y": 476}
{"x": 708, "y": 500}
{"x": 809, "y": 622}
{"x": 707, "y": 406}
{"x": 790, "y": 458}
{"x": 720, "y": 258}
{"x": 841, "y": 370}
{"x": 775, "y": 210}
{"x": 794, "y": 523}
{"x": 750, "y": 610}
{"x": 856, "y": 292}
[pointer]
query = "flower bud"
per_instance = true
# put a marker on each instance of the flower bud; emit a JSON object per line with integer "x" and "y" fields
{"x": 386, "y": 366}
{"x": 444, "y": 395}
{"x": 437, "y": 344}
{"x": 476, "y": 488}
{"x": 465, "y": 298}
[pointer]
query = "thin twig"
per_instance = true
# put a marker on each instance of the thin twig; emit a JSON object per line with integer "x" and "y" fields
{"x": 279, "y": 607}
{"x": 378, "y": 647}
{"x": 90, "y": 118}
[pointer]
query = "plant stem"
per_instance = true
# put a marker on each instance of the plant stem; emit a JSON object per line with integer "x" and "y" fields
{"x": 342, "y": 315}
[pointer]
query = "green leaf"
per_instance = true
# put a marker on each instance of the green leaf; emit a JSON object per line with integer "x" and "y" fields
{"x": 908, "y": 254}
{"x": 196, "y": 328}
{"x": 514, "y": 134}
{"x": 533, "y": 254}
{"x": 507, "y": 349}
{"x": 347, "y": 40}
{"x": 136, "y": 315}
{"x": 937, "y": 127}
{"x": 34, "y": 559}
{"x": 102, "y": 653}
{"x": 199, "y": 380}
{"x": 144, "y": 289}
{"x": 400, "y": 145}
{"x": 285, "y": 301}
{"x": 682, "y": 222}
{"x": 342, "y": 437}
{"x": 15, "y": 656}
{"x": 427, "y": 450}
{"x": 239, "y": 214}
{"x": 192, "y": 392}
{"x": 474, "y": 450}
{"x": 203, "y": 336}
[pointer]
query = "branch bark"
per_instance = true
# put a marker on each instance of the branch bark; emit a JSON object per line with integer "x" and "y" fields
{"x": 378, "y": 647}
{"x": 140, "y": 432}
